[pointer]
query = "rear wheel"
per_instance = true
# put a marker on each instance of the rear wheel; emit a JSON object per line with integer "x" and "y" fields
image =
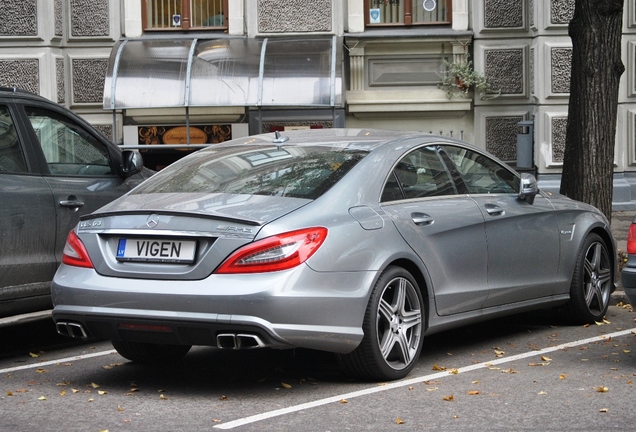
{"x": 393, "y": 327}
{"x": 150, "y": 353}
{"x": 591, "y": 283}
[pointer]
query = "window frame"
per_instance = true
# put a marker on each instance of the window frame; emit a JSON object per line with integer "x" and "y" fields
{"x": 185, "y": 19}
{"x": 408, "y": 16}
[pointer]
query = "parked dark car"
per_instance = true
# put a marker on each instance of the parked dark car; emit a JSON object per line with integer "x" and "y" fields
{"x": 54, "y": 167}
{"x": 358, "y": 242}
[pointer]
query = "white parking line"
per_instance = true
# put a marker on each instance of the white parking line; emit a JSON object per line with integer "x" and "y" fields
{"x": 52, "y": 362}
{"x": 397, "y": 384}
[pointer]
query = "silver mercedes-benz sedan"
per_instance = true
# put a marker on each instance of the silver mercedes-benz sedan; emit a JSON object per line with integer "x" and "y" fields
{"x": 358, "y": 242}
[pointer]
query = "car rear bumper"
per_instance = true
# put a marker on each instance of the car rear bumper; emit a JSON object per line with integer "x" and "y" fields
{"x": 297, "y": 308}
{"x": 628, "y": 279}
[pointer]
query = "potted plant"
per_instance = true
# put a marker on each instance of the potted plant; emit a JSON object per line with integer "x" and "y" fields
{"x": 460, "y": 77}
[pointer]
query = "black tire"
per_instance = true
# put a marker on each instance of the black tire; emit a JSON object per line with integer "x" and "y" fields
{"x": 592, "y": 283}
{"x": 140, "y": 352}
{"x": 393, "y": 327}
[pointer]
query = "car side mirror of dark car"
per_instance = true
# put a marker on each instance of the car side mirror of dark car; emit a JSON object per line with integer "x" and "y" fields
{"x": 132, "y": 162}
{"x": 528, "y": 188}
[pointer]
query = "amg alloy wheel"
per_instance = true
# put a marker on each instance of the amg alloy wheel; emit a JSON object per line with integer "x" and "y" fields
{"x": 591, "y": 283}
{"x": 393, "y": 327}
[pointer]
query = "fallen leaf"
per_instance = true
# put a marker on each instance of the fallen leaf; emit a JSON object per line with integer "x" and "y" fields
{"x": 603, "y": 410}
{"x": 499, "y": 353}
{"x": 287, "y": 386}
{"x": 438, "y": 368}
{"x": 63, "y": 393}
{"x": 602, "y": 389}
{"x": 102, "y": 392}
{"x": 453, "y": 371}
{"x": 431, "y": 389}
{"x": 9, "y": 393}
{"x": 75, "y": 390}
{"x": 626, "y": 351}
{"x": 542, "y": 393}
{"x": 474, "y": 392}
{"x": 162, "y": 396}
{"x": 562, "y": 376}
{"x": 216, "y": 421}
{"x": 476, "y": 382}
{"x": 94, "y": 385}
{"x": 63, "y": 384}
{"x": 448, "y": 398}
{"x": 509, "y": 371}
{"x": 223, "y": 397}
{"x": 42, "y": 398}
{"x": 344, "y": 401}
{"x": 34, "y": 355}
{"x": 546, "y": 359}
{"x": 40, "y": 370}
{"x": 399, "y": 421}
{"x": 411, "y": 387}
{"x": 120, "y": 409}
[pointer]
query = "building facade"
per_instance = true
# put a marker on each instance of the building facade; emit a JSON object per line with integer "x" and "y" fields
{"x": 169, "y": 75}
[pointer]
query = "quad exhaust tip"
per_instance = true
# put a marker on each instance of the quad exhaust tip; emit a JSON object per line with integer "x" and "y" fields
{"x": 238, "y": 341}
{"x": 71, "y": 329}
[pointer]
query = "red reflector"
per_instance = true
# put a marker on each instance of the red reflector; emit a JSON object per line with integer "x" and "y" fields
{"x": 631, "y": 239}
{"x": 146, "y": 327}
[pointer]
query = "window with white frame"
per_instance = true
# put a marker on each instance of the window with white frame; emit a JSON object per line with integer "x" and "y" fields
{"x": 407, "y": 12}
{"x": 185, "y": 14}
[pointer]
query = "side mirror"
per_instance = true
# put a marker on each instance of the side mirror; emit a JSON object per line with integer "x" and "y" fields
{"x": 132, "y": 162}
{"x": 528, "y": 188}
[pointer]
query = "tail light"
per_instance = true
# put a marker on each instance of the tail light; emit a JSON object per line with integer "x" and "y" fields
{"x": 74, "y": 253}
{"x": 631, "y": 239}
{"x": 279, "y": 252}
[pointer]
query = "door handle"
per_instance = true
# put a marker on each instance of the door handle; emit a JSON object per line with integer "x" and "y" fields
{"x": 494, "y": 210}
{"x": 421, "y": 218}
{"x": 72, "y": 202}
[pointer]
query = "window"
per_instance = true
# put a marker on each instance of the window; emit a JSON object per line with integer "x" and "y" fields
{"x": 68, "y": 149}
{"x": 11, "y": 157}
{"x": 419, "y": 174}
{"x": 408, "y": 12}
{"x": 298, "y": 172}
{"x": 481, "y": 174}
{"x": 184, "y": 14}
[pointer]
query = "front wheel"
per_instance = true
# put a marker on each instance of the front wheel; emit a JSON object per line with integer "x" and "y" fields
{"x": 591, "y": 285}
{"x": 393, "y": 327}
{"x": 141, "y": 352}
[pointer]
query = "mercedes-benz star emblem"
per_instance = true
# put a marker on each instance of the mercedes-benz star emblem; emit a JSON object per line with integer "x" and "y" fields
{"x": 153, "y": 220}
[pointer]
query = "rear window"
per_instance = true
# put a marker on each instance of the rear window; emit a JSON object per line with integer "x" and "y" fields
{"x": 287, "y": 171}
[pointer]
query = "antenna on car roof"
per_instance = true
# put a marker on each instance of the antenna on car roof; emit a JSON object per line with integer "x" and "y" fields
{"x": 280, "y": 138}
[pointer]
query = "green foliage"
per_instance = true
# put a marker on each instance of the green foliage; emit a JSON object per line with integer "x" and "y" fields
{"x": 460, "y": 78}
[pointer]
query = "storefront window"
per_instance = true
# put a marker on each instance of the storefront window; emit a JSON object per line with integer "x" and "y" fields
{"x": 185, "y": 14}
{"x": 408, "y": 12}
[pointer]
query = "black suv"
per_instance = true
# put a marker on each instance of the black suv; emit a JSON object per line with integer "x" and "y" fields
{"x": 54, "y": 167}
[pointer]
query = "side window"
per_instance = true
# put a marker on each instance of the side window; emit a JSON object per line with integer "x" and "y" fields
{"x": 184, "y": 15}
{"x": 11, "y": 157}
{"x": 481, "y": 174}
{"x": 67, "y": 147}
{"x": 419, "y": 174}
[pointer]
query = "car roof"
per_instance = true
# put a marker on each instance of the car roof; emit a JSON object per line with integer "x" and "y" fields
{"x": 363, "y": 139}
{"x": 15, "y": 92}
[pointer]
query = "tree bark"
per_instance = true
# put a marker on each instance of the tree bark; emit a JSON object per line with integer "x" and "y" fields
{"x": 588, "y": 165}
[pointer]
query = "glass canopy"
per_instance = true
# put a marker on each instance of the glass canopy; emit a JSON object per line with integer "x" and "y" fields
{"x": 162, "y": 73}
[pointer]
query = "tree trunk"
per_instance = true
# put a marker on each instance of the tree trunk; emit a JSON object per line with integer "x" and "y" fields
{"x": 588, "y": 165}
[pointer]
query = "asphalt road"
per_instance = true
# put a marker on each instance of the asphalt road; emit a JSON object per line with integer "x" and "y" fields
{"x": 522, "y": 372}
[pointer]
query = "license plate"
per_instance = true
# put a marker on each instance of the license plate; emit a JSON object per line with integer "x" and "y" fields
{"x": 156, "y": 250}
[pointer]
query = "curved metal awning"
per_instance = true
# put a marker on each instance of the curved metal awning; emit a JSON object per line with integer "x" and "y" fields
{"x": 166, "y": 73}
